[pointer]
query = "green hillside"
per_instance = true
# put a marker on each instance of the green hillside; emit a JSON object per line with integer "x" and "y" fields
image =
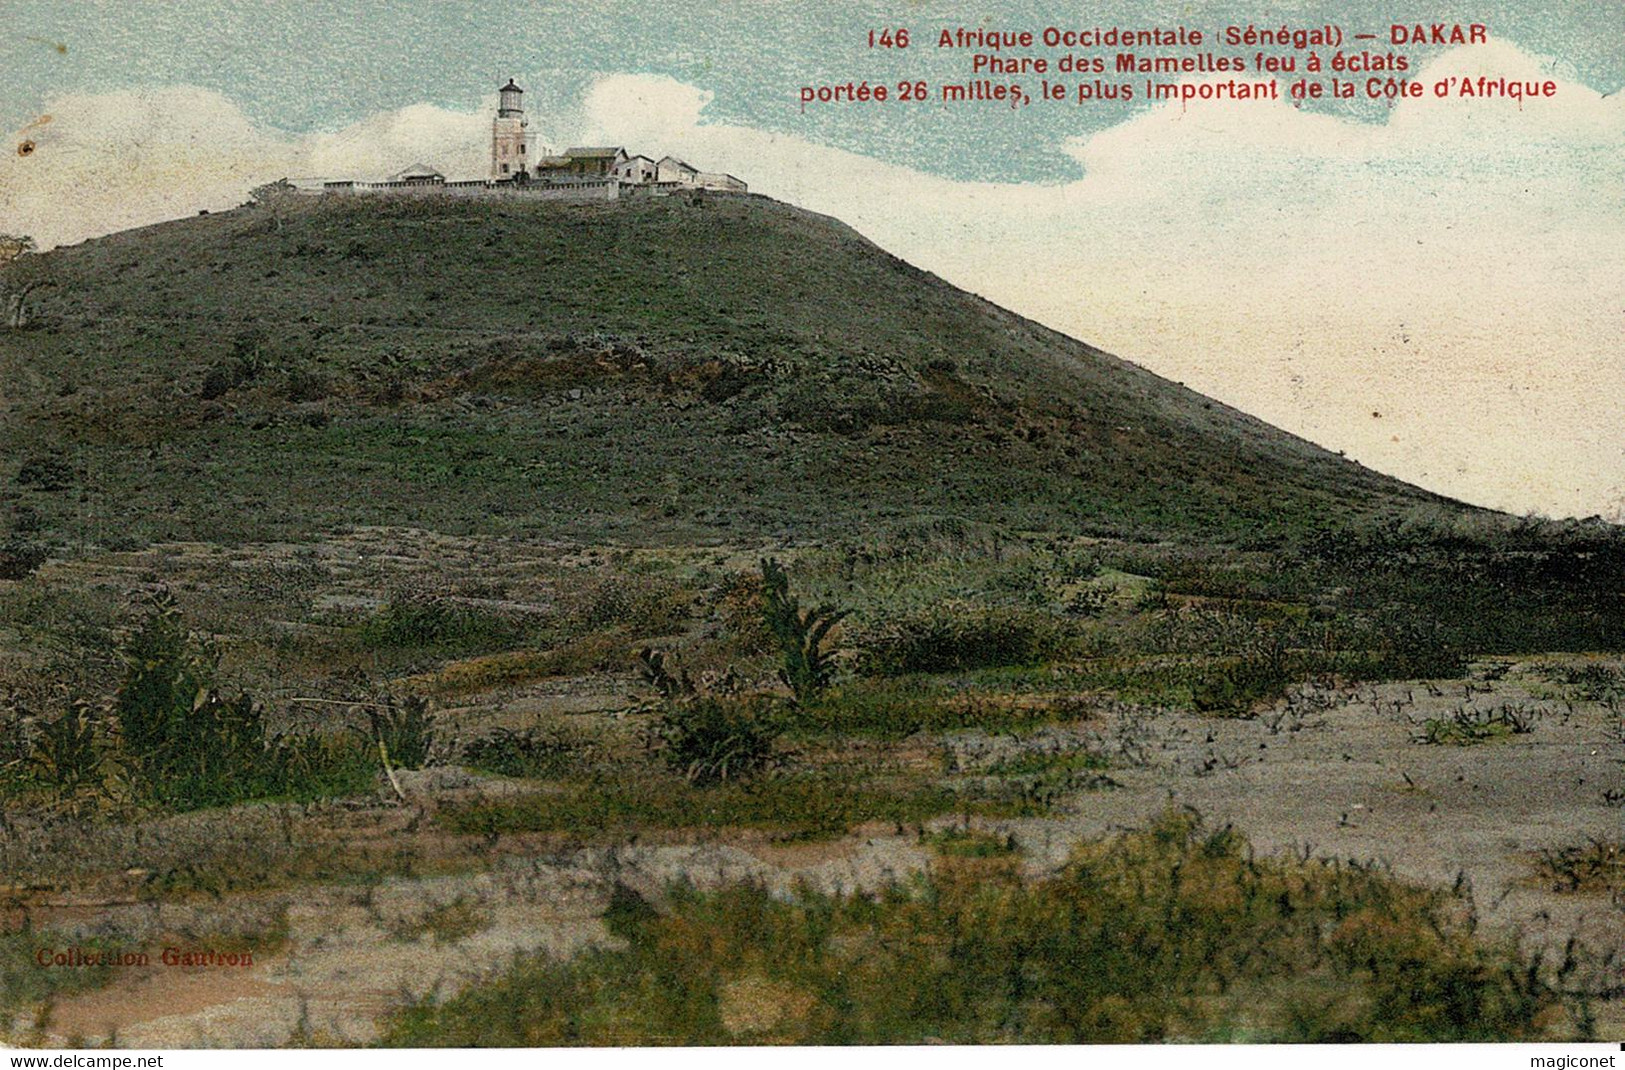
{"x": 666, "y": 370}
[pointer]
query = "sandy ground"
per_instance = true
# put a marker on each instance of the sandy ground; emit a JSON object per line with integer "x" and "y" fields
{"x": 1335, "y": 774}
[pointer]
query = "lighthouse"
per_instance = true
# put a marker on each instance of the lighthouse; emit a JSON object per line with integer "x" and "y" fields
{"x": 510, "y": 156}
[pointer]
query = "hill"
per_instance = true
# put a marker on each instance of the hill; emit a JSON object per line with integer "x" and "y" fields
{"x": 666, "y": 370}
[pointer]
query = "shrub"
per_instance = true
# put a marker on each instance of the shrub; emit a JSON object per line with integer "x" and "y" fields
{"x": 896, "y": 708}
{"x": 46, "y": 474}
{"x": 801, "y": 634}
{"x": 709, "y": 739}
{"x": 311, "y": 766}
{"x": 742, "y": 607}
{"x": 23, "y": 984}
{"x": 21, "y": 558}
{"x": 591, "y": 653}
{"x": 166, "y": 676}
{"x": 218, "y": 381}
{"x": 1237, "y": 685}
{"x": 1033, "y": 783}
{"x": 1025, "y": 577}
{"x": 185, "y": 746}
{"x": 252, "y": 355}
{"x": 221, "y": 756}
{"x": 447, "y": 923}
{"x": 25, "y": 520}
{"x": 611, "y": 807}
{"x": 304, "y": 383}
{"x": 426, "y": 620}
{"x": 959, "y": 841}
{"x": 1592, "y": 681}
{"x": 956, "y": 636}
{"x": 405, "y": 729}
{"x": 1415, "y": 648}
{"x": 532, "y": 752}
{"x": 1087, "y": 602}
{"x": 15, "y": 747}
{"x": 659, "y": 671}
{"x": 642, "y": 605}
{"x": 227, "y": 758}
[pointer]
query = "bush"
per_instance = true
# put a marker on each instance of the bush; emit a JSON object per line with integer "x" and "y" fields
{"x": 25, "y": 520}
{"x": 709, "y": 739}
{"x": 184, "y": 746}
{"x": 306, "y": 384}
{"x": 532, "y": 752}
{"x": 1087, "y": 602}
{"x": 46, "y": 474}
{"x": 405, "y": 729}
{"x": 15, "y": 748}
{"x": 425, "y": 620}
{"x": 611, "y": 807}
{"x": 1598, "y": 866}
{"x": 1412, "y": 647}
{"x": 165, "y": 678}
{"x": 311, "y": 766}
{"x": 218, "y": 381}
{"x": 644, "y": 606}
{"x": 1590, "y": 682}
{"x": 21, "y": 558}
{"x": 1236, "y": 686}
{"x": 896, "y": 708}
{"x": 956, "y": 636}
{"x": 742, "y": 609}
{"x": 1466, "y": 725}
{"x": 219, "y": 756}
{"x": 23, "y": 984}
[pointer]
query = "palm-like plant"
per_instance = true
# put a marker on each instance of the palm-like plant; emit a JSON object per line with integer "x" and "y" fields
{"x": 802, "y": 634}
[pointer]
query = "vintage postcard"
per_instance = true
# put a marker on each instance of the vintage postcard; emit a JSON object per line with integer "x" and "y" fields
{"x": 551, "y": 524}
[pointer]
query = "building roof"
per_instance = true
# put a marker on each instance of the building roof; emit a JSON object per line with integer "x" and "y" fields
{"x": 510, "y": 88}
{"x": 685, "y": 165}
{"x": 593, "y": 153}
{"x": 417, "y": 170}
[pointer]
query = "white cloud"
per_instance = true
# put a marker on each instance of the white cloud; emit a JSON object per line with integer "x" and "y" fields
{"x": 110, "y": 161}
{"x": 456, "y": 143}
{"x": 1455, "y": 269}
{"x": 122, "y": 159}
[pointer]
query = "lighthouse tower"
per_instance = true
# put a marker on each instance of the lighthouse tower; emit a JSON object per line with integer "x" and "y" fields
{"x": 510, "y": 156}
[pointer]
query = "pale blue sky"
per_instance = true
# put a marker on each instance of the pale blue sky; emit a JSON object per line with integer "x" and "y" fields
{"x": 305, "y": 66}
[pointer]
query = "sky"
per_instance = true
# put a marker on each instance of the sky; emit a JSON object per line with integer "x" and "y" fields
{"x": 1435, "y": 287}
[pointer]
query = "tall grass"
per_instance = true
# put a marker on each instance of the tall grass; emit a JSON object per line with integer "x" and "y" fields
{"x": 1174, "y": 932}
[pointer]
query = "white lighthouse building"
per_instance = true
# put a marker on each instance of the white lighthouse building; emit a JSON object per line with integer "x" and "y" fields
{"x": 518, "y": 163}
{"x": 510, "y": 148}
